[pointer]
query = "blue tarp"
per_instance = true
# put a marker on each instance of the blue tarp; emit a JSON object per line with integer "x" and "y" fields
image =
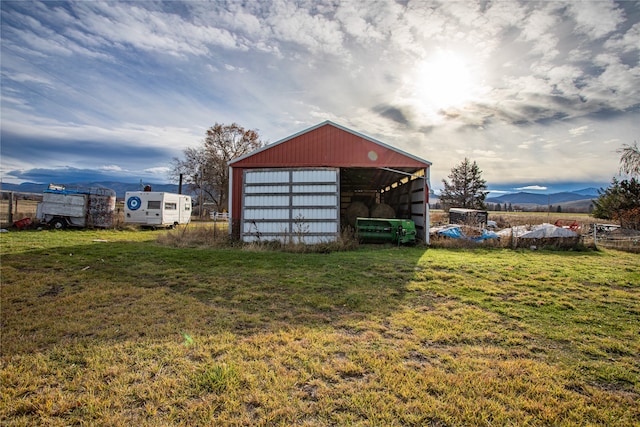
{"x": 456, "y": 232}
{"x": 486, "y": 234}
{"x": 65, "y": 191}
{"x": 453, "y": 232}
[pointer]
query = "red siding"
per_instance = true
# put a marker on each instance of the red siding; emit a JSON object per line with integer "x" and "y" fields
{"x": 328, "y": 146}
{"x": 236, "y": 196}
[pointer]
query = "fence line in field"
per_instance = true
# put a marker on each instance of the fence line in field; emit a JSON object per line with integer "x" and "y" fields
{"x": 219, "y": 216}
{"x": 623, "y": 243}
{"x": 16, "y": 205}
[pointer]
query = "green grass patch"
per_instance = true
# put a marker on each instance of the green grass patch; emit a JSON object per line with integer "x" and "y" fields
{"x": 122, "y": 327}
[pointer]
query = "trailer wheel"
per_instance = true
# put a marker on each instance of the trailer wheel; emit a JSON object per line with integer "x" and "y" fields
{"x": 58, "y": 223}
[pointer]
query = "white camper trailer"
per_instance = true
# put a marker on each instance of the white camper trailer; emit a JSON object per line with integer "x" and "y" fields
{"x": 156, "y": 209}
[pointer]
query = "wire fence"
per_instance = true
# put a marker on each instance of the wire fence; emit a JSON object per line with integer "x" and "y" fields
{"x": 621, "y": 243}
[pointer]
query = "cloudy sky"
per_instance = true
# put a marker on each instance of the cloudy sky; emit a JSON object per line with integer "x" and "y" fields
{"x": 539, "y": 94}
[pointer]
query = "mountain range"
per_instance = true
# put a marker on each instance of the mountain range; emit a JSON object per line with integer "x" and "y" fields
{"x": 568, "y": 201}
{"x": 526, "y": 198}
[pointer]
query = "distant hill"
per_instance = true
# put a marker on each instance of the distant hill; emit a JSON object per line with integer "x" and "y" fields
{"x": 578, "y": 206}
{"x": 590, "y": 192}
{"x": 119, "y": 187}
{"x": 575, "y": 201}
{"x": 524, "y": 198}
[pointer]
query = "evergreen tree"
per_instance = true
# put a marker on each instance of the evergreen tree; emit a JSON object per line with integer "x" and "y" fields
{"x": 466, "y": 188}
{"x": 620, "y": 202}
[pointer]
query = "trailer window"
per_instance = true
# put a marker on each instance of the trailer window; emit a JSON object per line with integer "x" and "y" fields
{"x": 153, "y": 204}
{"x": 170, "y": 206}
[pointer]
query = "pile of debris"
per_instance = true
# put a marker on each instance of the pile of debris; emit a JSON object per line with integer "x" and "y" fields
{"x": 542, "y": 231}
{"x": 537, "y": 236}
{"x": 543, "y": 235}
{"x": 465, "y": 232}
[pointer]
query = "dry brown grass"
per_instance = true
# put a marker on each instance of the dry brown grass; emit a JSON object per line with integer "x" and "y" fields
{"x": 197, "y": 235}
{"x": 512, "y": 219}
{"x": 209, "y": 235}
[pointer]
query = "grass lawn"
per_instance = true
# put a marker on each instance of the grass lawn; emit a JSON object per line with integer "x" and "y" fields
{"x": 114, "y": 328}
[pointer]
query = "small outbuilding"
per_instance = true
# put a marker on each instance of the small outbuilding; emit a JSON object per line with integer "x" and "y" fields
{"x": 473, "y": 217}
{"x": 303, "y": 187}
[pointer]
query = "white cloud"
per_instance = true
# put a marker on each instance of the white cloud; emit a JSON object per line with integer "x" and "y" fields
{"x": 111, "y": 168}
{"x": 532, "y": 188}
{"x": 595, "y": 19}
{"x": 626, "y": 42}
{"x": 126, "y": 133}
{"x": 230, "y": 67}
{"x": 354, "y": 23}
{"x": 579, "y": 131}
{"x": 158, "y": 170}
{"x": 292, "y": 24}
{"x": 23, "y": 78}
{"x": 536, "y": 29}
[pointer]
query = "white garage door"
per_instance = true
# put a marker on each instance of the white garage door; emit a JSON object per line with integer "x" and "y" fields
{"x": 291, "y": 205}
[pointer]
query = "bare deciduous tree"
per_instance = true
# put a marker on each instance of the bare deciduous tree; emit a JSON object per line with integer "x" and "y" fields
{"x": 205, "y": 168}
{"x": 630, "y": 159}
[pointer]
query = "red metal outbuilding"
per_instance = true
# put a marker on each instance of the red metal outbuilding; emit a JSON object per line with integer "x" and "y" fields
{"x": 295, "y": 181}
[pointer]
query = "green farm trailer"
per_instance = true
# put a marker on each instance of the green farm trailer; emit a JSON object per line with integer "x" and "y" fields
{"x": 398, "y": 231}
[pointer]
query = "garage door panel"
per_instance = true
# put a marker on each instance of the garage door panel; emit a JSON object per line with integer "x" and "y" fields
{"x": 258, "y": 228}
{"x": 315, "y": 227}
{"x": 264, "y": 214}
{"x": 291, "y": 204}
{"x": 256, "y": 177}
{"x": 314, "y": 175}
{"x": 324, "y": 213}
{"x": 266, "y": 189}
{"x": 266, "y": 201}
{"x": 314, "y": 200}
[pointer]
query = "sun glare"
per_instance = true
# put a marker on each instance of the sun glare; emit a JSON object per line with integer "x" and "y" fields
{"x": 443, "y": 81}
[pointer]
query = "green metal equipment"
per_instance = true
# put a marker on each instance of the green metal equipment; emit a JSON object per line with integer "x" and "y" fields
{"x": 398, "y": 231}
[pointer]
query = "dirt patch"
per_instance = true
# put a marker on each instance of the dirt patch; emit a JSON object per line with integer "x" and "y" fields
{"x": 52, "y": 291}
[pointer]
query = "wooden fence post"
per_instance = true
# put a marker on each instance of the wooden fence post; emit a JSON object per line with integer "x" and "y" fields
{"x": 10, "y": 216}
